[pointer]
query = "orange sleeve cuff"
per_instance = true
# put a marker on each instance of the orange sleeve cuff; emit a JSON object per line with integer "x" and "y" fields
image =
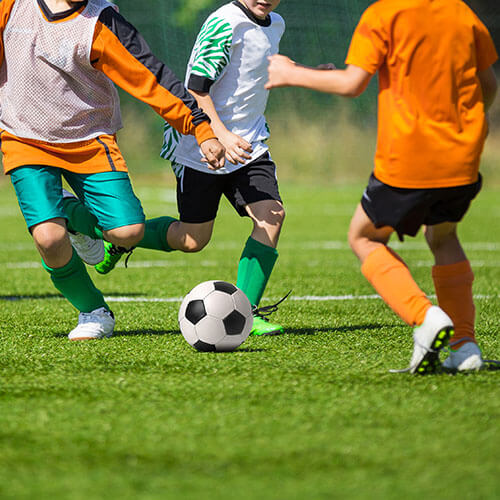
{"x": 203, "y": 132}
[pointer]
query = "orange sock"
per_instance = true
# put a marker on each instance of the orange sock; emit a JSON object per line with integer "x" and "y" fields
{"x": 390, "y": 277}
{"x": 453, "y": 284}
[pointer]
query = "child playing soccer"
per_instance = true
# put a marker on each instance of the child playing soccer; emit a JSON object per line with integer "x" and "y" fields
{"x": 226, "y": 73}
{"x": 435, "y": 85}
{"x": 59, "y": 115}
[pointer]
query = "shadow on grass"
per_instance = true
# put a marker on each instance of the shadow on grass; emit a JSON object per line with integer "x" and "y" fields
{"x": 42, "y": 296}
{"x": 45, "y": 296}
{"x": 147, "y": 331}
{"x": 290, "y": 331}
{"x": 130, "y": 333}
{"x": 341, "y": 329}
{"x": 238, "y": 349}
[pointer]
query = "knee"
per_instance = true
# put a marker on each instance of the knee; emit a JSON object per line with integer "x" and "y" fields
{"x": 50, "y": 240}
{"x": 275, "y": 215}
{"x": 126, "y": 236}
{"x": 269, "y": 217}
{"x": 280, "y": 216}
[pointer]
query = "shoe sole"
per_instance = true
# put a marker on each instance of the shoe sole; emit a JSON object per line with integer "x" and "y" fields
{"x": 430, "y": 362}
{"x": 76, "y": 339}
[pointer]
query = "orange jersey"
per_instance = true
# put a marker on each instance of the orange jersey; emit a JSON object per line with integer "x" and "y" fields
{"x": 120, "y": 53}
{"x": 431, "y": 120}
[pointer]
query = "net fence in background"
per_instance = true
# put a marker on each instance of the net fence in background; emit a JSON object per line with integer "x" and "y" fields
{"x": 317, "y": 31}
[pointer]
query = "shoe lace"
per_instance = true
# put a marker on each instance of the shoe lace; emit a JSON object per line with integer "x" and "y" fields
{"x": 263, "y": 312}
{"x": 94, "y": 316}
{"x": 116, "y": 250}
{"x": 86, "y": 318}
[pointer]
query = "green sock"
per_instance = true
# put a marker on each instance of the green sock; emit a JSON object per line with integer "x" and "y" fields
{"x": 155, "y": 234}
{"x": 256, "y": 265}
{"x": 74, "y": 282}
{"x": 80, "y": 218}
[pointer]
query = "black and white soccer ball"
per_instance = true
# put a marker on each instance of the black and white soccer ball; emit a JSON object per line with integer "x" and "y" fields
{"x": 215, "y": 316}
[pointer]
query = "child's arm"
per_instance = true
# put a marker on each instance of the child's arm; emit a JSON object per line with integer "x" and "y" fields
{"x": 489, "y": 86}
{"x": 349, "y": 82}
{"x": 120, "y": 52}
{"x": 237, "y": 148}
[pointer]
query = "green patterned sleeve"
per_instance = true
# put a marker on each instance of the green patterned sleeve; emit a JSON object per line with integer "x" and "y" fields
{"x": 211, "y": 53}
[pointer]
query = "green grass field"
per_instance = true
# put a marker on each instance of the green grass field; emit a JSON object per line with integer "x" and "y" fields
{"x": 312, "y": 414}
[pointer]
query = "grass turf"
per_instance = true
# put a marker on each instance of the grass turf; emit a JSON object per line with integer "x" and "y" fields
{"x": 310, "y": 414}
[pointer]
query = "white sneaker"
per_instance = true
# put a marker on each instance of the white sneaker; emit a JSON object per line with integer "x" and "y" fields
{"x": 466, "y": 358}
{"x": 93, "y": 325}
{"x": 429, "y": 338}
{"x": 88, "y": 249}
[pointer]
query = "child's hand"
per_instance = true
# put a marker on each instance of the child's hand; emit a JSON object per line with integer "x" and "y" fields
{"x": 280, "y": 69}
{"x": 214, "y": 154}
{"x": 237, "y": 148}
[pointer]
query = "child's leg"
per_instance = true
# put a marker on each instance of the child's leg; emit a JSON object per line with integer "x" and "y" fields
{"x": 66, "y": 269}
{"x": 260, "y": 254}
{"x": 189, "y": 237}
{"x": 38, "y": 190}
{"x": 110, "y": 208}
{"x": 91, "y": 215}
{"x": 82, "y": 220}
{"x": 453, "y": 278}
{"x": 385, "y": 270}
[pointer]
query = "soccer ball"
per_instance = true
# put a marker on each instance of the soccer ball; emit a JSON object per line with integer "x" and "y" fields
{"x": 215, "y": 316}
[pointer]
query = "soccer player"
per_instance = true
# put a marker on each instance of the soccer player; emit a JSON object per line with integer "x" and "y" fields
{"x": 436, "y": 84}
{"x": 59, "y": 115}
{"x": 226, "y": 73}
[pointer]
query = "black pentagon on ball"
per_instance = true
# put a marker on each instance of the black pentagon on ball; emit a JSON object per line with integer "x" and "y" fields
{"x": 204, "y": 347}
{"x": 234, "y": 323}
{"x": 195, "y": 311}
{"x": 223, "y": 286}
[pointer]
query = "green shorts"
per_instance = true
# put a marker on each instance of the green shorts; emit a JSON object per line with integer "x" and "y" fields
{"x": 108, "y": 195}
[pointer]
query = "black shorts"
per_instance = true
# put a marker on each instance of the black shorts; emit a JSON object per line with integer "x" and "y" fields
{"x": 199, "y": 193}
{"x": 406, "y": 210}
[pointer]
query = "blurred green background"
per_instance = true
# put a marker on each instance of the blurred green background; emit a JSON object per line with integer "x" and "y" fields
{"x": 313, "y": 136}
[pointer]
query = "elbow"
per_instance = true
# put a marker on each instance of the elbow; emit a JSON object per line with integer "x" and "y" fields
{"x": 353, "y": 90}
{"x": 355, "y": 82}
{"x": 355, "y": 87}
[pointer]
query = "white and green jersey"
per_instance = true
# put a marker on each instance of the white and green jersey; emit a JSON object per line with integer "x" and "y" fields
{"x": 229, "y": 60}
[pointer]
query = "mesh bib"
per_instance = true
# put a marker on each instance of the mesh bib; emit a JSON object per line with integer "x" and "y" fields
{"x": 49, "y": 91}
